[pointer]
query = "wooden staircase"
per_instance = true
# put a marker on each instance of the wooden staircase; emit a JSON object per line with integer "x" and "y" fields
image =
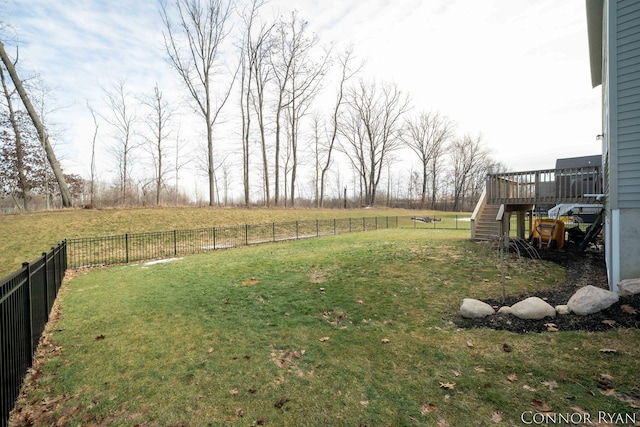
{"x": 486, "y": 225}
{"x": 486, "y": 220}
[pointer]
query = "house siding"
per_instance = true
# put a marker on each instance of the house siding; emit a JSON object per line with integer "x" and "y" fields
{"x": 627, "y": 87}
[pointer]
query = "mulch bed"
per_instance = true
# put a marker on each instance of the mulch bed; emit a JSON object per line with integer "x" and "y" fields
{"x": 583, "y": 268}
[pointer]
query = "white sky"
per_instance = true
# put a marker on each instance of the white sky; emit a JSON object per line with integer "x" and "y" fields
{"x": 516, "y": 71}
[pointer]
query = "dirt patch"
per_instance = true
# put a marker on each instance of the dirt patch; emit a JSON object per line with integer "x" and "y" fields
{"x": 582, "y": 269}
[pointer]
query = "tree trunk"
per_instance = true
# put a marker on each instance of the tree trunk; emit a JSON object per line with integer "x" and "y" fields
{"x": 42, "y": 134}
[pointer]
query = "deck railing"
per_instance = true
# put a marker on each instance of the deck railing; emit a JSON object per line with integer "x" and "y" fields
{"x": 552, "y": 186}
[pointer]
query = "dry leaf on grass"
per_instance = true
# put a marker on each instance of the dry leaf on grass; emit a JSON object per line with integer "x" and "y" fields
{"x": 512, "y": 377}
{"x": 469, "y": 343}
{"x": 540, "y": 406}
{"x": 608, "y": 350}
{"x": 233, "y": 391}
{"x": 385, "y": 340}
{"x": 447, "y": 385}
{"x": 507, "y": 348}
{"x": 427, "y": 407}
{"x": 609, "y": 322}
{"x": 323, "y": 339}
{"x": 443, "y": 423}
{"x": 551, "y": 384}
{"x": 496, "y": 417}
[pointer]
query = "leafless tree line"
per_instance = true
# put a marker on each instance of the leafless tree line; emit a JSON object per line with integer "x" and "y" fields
{"x": 293, "y": 145}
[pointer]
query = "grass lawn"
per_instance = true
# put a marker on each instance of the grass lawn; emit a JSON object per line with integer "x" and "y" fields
{"x": 347, "y": 330}
{"x": 24, "y": 236}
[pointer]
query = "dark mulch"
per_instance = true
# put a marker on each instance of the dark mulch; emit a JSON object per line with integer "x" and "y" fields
{"x": 583, "y": 268}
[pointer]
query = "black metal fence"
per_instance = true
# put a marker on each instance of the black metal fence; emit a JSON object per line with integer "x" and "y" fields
{"x": 125, "y": 248}
{"x": 26, "y": 298}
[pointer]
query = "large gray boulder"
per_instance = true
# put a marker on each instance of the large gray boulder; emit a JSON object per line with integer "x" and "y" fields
{"x": 533, "y": 308}
{"x": 591, "y": 299}
{"x": 629, "y": 287}
{"x": 473, "y": 308}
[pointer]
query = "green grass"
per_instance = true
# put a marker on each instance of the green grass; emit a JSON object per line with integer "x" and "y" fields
{"x": 238, "y": 338}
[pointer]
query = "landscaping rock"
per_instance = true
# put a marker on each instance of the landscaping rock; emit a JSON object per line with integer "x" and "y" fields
{"x": 505, "y": 310}
{"x": 562, "y": 309}
{"x": 590, "y": 299}
{"x": 629, "y": 287}
{"x": 533, "y": 308}
{"x": 473, "y": 308}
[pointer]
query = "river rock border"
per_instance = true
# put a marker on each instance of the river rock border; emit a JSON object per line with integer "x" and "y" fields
{"x": 587, "y": 300}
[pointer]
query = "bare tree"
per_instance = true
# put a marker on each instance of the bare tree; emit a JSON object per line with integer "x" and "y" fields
{"x": 347, "y": 72}
{"x": 158, "y": 123}
{"x": 92, "y": 188}
{"x": 255, "y": 50}
{"x": 468, "y": 156}
{"x": 122, "y": 119}
{"x": 202, "y": 29}
{"x": 427, "y": 135}
{"x": 372, "y": 128}
{"x": 37, "y": 122}
{"x": 23, "y": 183}
{"x": 298, "y": 70}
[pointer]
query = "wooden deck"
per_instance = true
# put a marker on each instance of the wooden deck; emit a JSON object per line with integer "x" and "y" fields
{"x": 551, "y": 186}
{"x": 519, "y": 192}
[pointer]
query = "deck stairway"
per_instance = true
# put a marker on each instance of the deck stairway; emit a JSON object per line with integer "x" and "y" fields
{"x": 487, "y": 227}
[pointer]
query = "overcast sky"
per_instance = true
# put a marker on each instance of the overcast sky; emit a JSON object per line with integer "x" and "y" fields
{"x": 515, "y": 71}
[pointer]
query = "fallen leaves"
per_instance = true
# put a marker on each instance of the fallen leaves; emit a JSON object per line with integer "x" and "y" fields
{"x": 551, "y": 327}
{"x": 507, "y": 348}
{"x": 324, "y": 339}
{"x": 496, "y": 417}
{"x": 541, "y": 406}
{"x": 512, "y": 377}
{"x": 427, "y": 408}
{"x": 447, "y": 385}
{"x": 385, "y": 340}
{"x": 628, "y": 309}
{"x": 100, "y": 337}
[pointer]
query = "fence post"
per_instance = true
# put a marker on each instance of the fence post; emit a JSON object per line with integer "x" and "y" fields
{"x": 317, "y": 230}
{"x": 273, "y": 231}
{"x": 246, "y": 234}
{"x": 334, "y": 226}
{"x": 297, "y": 235}
{"x": 126, "y": 248}
{"x": 46, "y": 281}
{"x": 175, "y": 242}
{"x": 28, "y": 310}
{"x": 364, "y": 225}
{"x": 214, "y": 238}
{"x": 349, "y": 225}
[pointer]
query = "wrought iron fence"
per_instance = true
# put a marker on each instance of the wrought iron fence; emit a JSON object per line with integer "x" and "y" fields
{"x": 26, "y": 298}
{"x": 125, "y": 248}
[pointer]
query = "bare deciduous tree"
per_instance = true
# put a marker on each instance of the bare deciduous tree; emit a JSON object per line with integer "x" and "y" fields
{"x": 427, "y": 136}
{"x": 254, "y": 71}
{"x": 372, "y": 127}
{"x": 158, "y": 123}
{"x": 468, "y": 156}
{"x": 298, "y": 70}
{"x": 193, "y": 47}
{"x": 122, "y": 119}
{"x": 23, "y": 183}
{"x": 348, "y": 71}
{"x": 37, "y": 122}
